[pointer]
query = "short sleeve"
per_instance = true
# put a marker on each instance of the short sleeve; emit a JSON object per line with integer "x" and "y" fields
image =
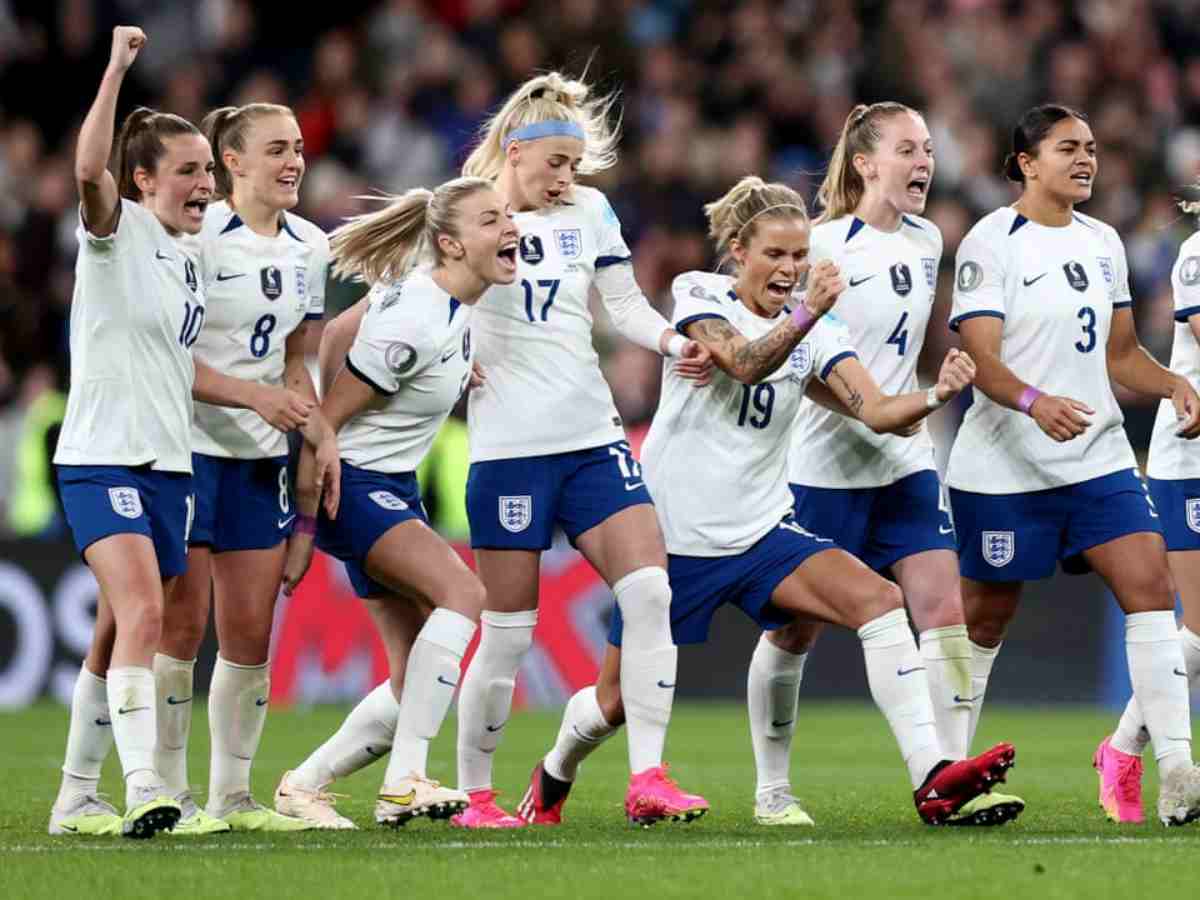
{"x": 387, "y": 350}
{"x": 107, "y": 246}
{"x": 611, "y": 248}
{"x": 830, "y": 343}
{"x": 1186, "y": 282}
{"x": 978, "y": 280}
{"x": 694, "y": 301}
{"x": 318, "y": 277}
{"x": 1119, "y": 283}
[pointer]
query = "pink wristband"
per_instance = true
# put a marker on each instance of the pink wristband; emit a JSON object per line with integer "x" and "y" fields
{"x": 1028, "y": 398}
{"x": 802, "y": 318}
{"x": 305, "y": 525}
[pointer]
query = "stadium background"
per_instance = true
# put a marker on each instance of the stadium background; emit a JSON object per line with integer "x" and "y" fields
{"x": 389, "y": 95}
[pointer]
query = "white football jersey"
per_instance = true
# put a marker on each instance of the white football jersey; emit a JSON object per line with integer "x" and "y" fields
{"x": 545, "y": 392}
{"x": 1055, "y": 290}
{"x": 891, "y": 281}
{"x": 137, "y": 308}
{"x": 414, "y": 349}
{"x": 715, "y": 459}
{"x": 1170, "y": 455}
{"x": 259, "y": 290}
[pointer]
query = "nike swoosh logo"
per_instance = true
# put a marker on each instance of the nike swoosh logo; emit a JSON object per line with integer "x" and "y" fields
{"x": 448, "y": 354}
{"x": 284, "y": 523}
{"x": 1028, "y": 281}
{"x": 103, "y": 722}
{"x": 855, "y": 282}
{"x": 958, "y": 699}
{"x": 775, "y": 724}
{"x": 171, "y": 701}
{"x": 399, "y": 799}
{"x": 371, "y": 750}
{"x": 121, "y": 712}
{"x": 495, "y": 728}
{"x": 442, "y": 680}
{"x": 221, "y": 276}
{"x": 942, "y": 529}
{"x": 903, "y": 672}
{"x": 70, "y": 828}
{"x": 662, "y": 684}
{"x": 261, "y": 701}
{"x": 634, "y": 487}
{"x": 1181, "y": 674}
{"x": 158, "y": 254}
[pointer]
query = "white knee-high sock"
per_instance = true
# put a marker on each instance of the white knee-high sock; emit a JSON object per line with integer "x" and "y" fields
{"x": 899, "y": 688}
{"x": 364, "y": 737}
{"x": 131, "y": 707}
{"x": 947, "y": 656}
{"x": 485, "y": 701}
{"x": 583, "y": 730}
{"x": 89, "y": 738}
{"x": 648, "y": 663}
{"x": 982, "y": 660}
{"x": 429, "y": 683}
{"x": 1160, "y": 685}
{"x": 773, "y": 694}
{"x": 237, "y": 712}
{"x": 173, "y": 688}
{"x": 1131, "y": 735}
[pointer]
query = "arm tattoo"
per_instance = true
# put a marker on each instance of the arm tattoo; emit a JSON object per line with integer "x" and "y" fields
{"x": 853, "y": 398}
{"x": 749, "y": 361}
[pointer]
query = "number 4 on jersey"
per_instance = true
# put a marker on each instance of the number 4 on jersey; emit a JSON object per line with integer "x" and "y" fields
{"x": 899, "y": 335}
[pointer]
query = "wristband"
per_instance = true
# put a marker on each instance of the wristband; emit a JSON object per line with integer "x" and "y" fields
{"x": 802, "y": 317}
{"x": 675, "y": 345}
{"x": 1027, "y": 399}
{"x": 931, "y": 399}
{"x": 305, "y": 525}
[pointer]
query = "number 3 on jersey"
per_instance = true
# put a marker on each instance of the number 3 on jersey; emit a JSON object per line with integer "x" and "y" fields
{"x": 551, "y": 284}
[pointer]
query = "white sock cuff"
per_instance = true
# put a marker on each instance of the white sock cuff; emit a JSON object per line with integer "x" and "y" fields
{"x": 1189, "y": 638}
{"x": 222, "y": 661}
{"x": 950, "y": 642}
{"x": 133, "y": 672}
{"x": 92, "y": 680}
{"x": 889, "y": 630}
{"x": 946, "y": 631}
{"x": 1151, "y": 627}
{"x": 525, "y": 618}
{"x": 594, "y": 725}
{"x": 989, "y": 653}
{"x": 776, "y": 660}
{"x": 643, "y": 574}
{"x": 164, "y": 662}
{"x": 449, "y": 630}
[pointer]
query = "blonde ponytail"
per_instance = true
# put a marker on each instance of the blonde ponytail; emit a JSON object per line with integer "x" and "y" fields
{"x": 735, "y": 215}
{"x": 552, "y": 97}
{"x": 387, "y": 243}
{"x": 843, "y": 187}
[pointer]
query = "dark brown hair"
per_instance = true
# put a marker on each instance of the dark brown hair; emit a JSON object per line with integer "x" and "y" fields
{"x": 1031, "y": 129}
{"x": 140, "y": 145}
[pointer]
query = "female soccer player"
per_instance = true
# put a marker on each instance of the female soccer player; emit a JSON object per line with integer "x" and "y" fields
{"x": 737, "y": 541}
{"x": 408, "y": 366}
{"x": 1041, "y": 469}
{"x": 1174, "y": 480}
{"x": 547, "y": 446}
{"x": 264, "y": 273}
{"x": 876, "y": 495}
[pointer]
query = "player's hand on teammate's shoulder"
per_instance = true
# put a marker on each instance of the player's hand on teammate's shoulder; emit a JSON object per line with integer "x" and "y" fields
{"x": 127, "y": 41}
{"x": 1061, "y": 417}
{"x": 825, "y": 285}
{"x": 1187, "y": 409}
{"x": 281, "y": 408}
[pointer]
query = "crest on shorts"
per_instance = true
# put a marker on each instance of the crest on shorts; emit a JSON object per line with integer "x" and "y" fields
{"x": 1076, "y": 275}
{"x": 388, "y": 500}
{"x": 1106, "y": 269}
{"x": 516, "y": 513}
{"x": 929, "y": 264}
{"x": 1192, "y": 511}
{"x": 271, "y": 280}
{"x": 901, "y": 279}
{"x": 570, "y": 242}
{"x": 999, "y": 547}
{"x": 531, "y": 249}
{"x": 126, "y": 501}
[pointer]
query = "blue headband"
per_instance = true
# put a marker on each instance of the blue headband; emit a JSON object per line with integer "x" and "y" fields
{"x": 549, "y": 128}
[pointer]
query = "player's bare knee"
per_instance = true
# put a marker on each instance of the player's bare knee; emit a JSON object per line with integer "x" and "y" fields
{"x": 935, "y": 609}
{"x": 795, "y": 637}
{"x": 988, "y": 630}
{"x": 878, "y": 600}
{"x": 1148, "y": 589}
{"x": 146, "y": 623}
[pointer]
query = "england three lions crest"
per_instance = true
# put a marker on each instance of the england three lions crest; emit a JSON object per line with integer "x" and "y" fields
{"x": 1192, "y": 511}
{"x": 569, "y": 241}
{"x": 999, "y": 548}
{"x": 126, "y": 501}
{"x": 516, "y": 513}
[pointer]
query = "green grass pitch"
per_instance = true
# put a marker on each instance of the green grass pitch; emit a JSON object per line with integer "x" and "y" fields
{"x": 867, "y": 843}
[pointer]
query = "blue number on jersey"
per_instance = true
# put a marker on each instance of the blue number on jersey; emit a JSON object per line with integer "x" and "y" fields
{"x": 552, "y": 284}
{"x": 900, "y": 335}
{"x": 260, "y": 341}
{"x": 193, "y": 319}
{"x": 1089, "y": 328}
{"x": 763, "y": 398}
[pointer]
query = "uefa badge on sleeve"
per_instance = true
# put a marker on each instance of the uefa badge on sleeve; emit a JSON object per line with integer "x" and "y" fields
{"x": 126, "y": 501}
{"x": 999, "y": 548}
{"x": 516, "y": 513}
